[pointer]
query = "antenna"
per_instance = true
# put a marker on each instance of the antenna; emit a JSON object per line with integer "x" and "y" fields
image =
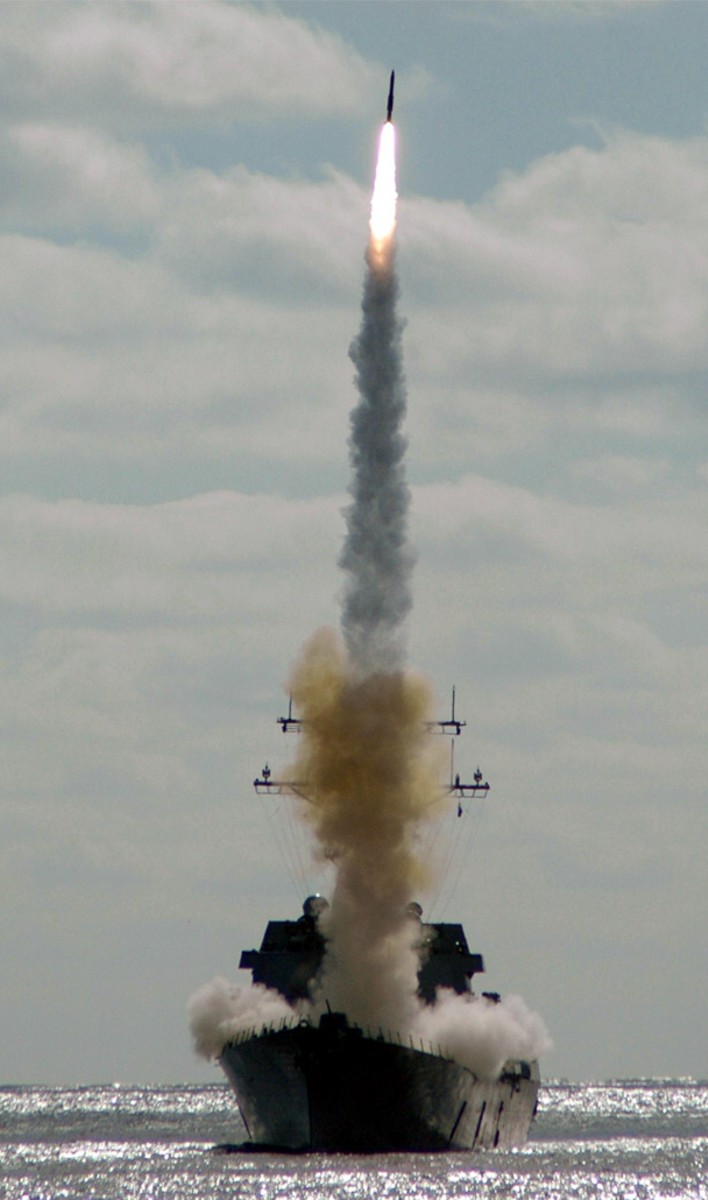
{"x": 290, "y": 724}
{"x": 452, "y": 725}
{"x": 266, "y": 785}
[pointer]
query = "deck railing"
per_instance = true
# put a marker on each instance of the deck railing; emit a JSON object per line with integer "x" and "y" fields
{"x": 391, "y": 1038}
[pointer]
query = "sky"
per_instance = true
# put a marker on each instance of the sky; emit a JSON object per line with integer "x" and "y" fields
{"x": 184, "y": 194}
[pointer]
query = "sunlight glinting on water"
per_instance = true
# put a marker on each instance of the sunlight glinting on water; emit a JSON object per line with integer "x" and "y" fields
{"x": 638, "y": 1140}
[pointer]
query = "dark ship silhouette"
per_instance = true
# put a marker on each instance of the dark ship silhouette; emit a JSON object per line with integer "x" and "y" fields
{"x": 336, "y": 1086}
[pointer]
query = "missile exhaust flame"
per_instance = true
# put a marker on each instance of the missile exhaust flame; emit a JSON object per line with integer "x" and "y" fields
{"x": 383, "y": 201}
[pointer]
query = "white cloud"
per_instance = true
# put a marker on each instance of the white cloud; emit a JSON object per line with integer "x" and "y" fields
{"x": 561, "y": 297}
{"x": 99, "y": 347}
{"x": 589, "y": 262}
{"x": 70, "y": 178}
{"x": 550, "y": 524}
{"x": 293, "y": 240}
{"x": 201, "y": 557}
{"x": 83, "y": 293}
{"x": 172, "y": 62}
{"x": 503, "y": 14}
{"x": 631, "y": 178}
{"x": 622, "y": 472}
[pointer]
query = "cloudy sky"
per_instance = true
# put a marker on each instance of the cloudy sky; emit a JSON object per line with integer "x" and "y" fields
{"x": 184, "y": 192}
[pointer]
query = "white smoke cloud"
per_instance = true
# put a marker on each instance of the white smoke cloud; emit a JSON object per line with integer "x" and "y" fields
{"x": 219, "y": 1011}
{"x": 481, "y": 1034}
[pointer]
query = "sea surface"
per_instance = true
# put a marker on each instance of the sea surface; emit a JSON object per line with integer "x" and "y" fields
{"x": 633, "y": 1139}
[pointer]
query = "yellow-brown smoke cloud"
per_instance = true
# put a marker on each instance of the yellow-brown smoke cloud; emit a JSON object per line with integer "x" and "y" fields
{"x": 371, "y": 779}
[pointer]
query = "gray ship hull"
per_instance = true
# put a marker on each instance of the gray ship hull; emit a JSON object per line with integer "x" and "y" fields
{"x": 334, "y": 1088}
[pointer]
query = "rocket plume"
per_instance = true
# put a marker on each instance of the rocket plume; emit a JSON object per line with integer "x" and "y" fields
{"x": 382, "y": 222}
{"x": 364, "y": 752}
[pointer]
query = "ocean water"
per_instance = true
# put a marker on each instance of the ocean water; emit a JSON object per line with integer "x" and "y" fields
{"x": 635, "y": 1139}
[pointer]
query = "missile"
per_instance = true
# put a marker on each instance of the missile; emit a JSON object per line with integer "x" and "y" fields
{"x": 389, "y": 102}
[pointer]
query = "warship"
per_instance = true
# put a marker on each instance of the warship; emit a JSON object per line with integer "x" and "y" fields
{"x": 328, "y": 1084}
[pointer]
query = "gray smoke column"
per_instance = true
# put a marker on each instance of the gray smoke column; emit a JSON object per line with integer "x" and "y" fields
{"x": 376, "y": 557}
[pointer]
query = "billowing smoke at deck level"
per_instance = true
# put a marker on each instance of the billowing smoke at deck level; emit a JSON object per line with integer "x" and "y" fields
{"x": 370, "y": 770}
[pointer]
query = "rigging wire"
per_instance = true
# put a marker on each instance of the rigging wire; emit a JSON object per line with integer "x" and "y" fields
{"x": 460, "y": 852}
{"x": 281, "y": 845}
{"x": 446, "y": 842}
{"x": 293, "y": 842}
{"x": 454, "y": 845}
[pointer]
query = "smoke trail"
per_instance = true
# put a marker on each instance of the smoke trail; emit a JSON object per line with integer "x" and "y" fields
{"x": 376, "y": 557}
{"x": 371, "y": 785}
